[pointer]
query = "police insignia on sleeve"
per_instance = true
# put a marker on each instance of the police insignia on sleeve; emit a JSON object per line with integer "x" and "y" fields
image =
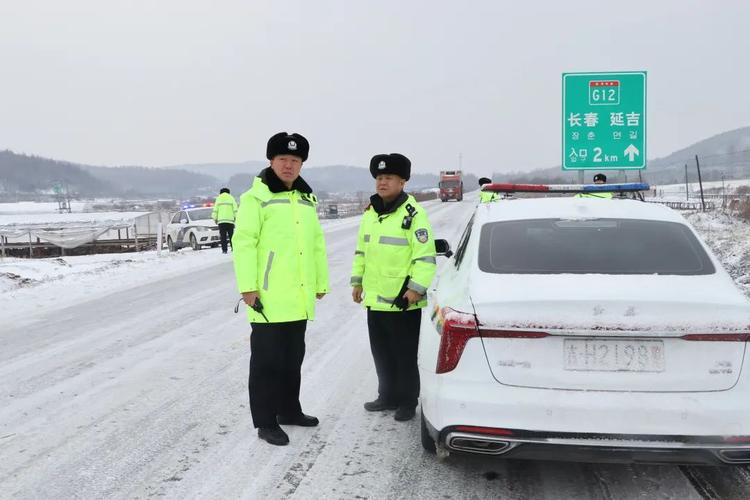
{"x": 421, "y": 235}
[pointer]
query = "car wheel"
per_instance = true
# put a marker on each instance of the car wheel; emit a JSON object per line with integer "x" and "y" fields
{"x": 170, "y": 244}
{"x": 427, "y": 442}
{"x": 194, "y": 242}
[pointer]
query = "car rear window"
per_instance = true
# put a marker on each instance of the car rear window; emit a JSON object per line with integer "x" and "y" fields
{"x": 202, "y": 214}
{"x": 600, "y": 246}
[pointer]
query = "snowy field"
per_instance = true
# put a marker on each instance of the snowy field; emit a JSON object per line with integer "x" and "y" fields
{"x": 32, "y": 207}
{"x": 124, "y": 376}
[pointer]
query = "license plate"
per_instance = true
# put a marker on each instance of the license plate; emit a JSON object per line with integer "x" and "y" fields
{"x": 613, "y": 355}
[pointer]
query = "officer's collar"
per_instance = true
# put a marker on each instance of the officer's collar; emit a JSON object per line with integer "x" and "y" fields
{"x": 382, "y": 208}
{"x": 275, "y": 185}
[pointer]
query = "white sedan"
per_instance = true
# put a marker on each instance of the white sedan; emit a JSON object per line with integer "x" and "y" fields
{"x": 588, "y": 330}
{"x": 192, "y": 227}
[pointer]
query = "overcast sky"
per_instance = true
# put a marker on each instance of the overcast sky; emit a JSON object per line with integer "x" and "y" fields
{"x": 167, "y": 82}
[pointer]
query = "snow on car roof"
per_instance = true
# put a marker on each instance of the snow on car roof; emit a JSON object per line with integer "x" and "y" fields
{"x": 574, "y": 208}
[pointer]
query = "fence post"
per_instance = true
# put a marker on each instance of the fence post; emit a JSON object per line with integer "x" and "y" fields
{"x": 135, "y": 235}
{"x": 687, "y": 188}
{"x": 2, "y": 246}
{"x": 159, "y": 235}
{"x": 31, "y": 249}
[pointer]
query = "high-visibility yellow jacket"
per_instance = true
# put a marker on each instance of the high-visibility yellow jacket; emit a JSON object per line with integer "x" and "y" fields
{"x": 594, "y": 194}
{"x": 387, "y": 253}
{"x": 225, "y": 209}
{"x": 488, "y": 196}
{"x": 279, "y": 249}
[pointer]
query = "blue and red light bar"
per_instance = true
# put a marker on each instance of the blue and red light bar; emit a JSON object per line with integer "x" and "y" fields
{"x": 625, "y": 187}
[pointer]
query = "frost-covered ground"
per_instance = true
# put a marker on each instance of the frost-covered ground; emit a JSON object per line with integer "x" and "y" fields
{"x": 124, "y": 376}
{"x": 729, "y": 238}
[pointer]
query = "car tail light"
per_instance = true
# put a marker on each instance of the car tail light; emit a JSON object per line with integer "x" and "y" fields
{"x": 736, "y": 439}
{"x": 457, "y": 329}
{"x": 484, "y": 430}
{"x": 717, "y": 337}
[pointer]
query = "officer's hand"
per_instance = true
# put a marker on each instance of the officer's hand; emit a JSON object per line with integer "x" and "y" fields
{"x": 250, "y": 298}
{"x": 357, "y": 294}
{"x": 411, "y": 296}
{"x": 320, "y": 295}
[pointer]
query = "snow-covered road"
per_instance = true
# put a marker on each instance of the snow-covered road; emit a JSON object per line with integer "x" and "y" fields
{"x": 139, "y": 390}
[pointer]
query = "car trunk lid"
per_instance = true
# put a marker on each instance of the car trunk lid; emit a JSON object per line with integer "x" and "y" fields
{"x": 636, "y": 333}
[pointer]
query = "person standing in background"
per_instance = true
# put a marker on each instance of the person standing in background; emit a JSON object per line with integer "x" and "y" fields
{"x": 223, "y": 214}
{"x": 486, "y": 196}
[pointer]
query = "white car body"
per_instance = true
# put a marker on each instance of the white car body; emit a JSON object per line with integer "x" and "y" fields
{"x": 587, "y": 367}
{"x": 191, "y": 228}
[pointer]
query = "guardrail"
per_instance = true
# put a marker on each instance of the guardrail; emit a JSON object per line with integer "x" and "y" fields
{"x": 684, "y": 205}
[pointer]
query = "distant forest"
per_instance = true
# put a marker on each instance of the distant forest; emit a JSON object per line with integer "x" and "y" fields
{"x": 25, "y": 177}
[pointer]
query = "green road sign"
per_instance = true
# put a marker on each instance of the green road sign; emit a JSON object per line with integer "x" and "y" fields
{"x": 604, "y": 121}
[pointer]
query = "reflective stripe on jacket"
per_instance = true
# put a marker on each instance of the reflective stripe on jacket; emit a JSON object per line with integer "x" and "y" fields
{"x": 386, "y": 254}
{"x": 279, "y": 251}
{"x": 225, "y": 209}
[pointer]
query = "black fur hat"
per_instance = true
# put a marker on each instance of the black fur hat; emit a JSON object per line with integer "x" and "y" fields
{"x": 287, "y": 144}
{"x": 224, "y": 190}
{"x": 393, "y": 163}
{"x": 600, "y": 177}
{"x": 484, "y": 180}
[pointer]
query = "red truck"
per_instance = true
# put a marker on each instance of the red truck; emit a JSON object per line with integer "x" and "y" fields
{"x": 451, "y": 185}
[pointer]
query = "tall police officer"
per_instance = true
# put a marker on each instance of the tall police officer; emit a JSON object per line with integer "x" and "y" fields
{"x": 223, "y": 214}
{"x": 280, "y": 264}
{"x": 394, "y": 264}
{"x": 486, "y": 196}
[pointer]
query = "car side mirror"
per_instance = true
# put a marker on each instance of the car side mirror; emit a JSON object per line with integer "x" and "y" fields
{"x": 183, "y": 221}
{"x": 442, "y": 247}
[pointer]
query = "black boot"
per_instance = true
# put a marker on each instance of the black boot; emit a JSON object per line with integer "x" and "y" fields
{"x": 273, "y": 435}
{"x": 301, "y": 420}
{"x": 379, "y": 405}
{"x": 404, "y": 413}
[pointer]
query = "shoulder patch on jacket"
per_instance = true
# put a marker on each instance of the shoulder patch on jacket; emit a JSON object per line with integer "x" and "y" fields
{"x": 422, "y": 235}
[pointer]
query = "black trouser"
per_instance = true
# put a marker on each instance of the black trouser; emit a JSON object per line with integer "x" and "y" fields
{"x": 226, "y": 231}
{"x": 394, "y": 338}
{"x": 276, "y": 354}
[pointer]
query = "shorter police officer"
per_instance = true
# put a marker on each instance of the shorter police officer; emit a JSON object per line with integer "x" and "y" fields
{"x": 486, "y": 196}
{"x": 598, "y": 179}
{"x": 223, "y": 214}
{"x": 280, "y": 263}
{"x": 394, "y": 263}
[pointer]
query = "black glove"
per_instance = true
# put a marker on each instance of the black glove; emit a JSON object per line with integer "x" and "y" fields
{"x": 400, "y": 301}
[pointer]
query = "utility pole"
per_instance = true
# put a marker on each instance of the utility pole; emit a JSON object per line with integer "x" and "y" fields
{"x": 700, "y": 184}
{"x": 460, "y": 160}
{"x": 687, "y": 188}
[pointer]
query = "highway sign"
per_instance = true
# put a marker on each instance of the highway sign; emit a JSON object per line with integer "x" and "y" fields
{"x": 604, "y": 121}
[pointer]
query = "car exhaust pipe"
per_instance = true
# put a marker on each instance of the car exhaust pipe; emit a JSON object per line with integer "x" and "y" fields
{"x": 476, "y": 443}
{"x": 734, "y": 456}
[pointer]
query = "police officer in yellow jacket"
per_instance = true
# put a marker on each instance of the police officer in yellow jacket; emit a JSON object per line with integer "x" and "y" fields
{"x": 598, "y": 179}
{"x": 486, "y": 196}
{"x": 394, "y": 263}
{"x": 280, "y": 264}
{"x": 223, "y": 214}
